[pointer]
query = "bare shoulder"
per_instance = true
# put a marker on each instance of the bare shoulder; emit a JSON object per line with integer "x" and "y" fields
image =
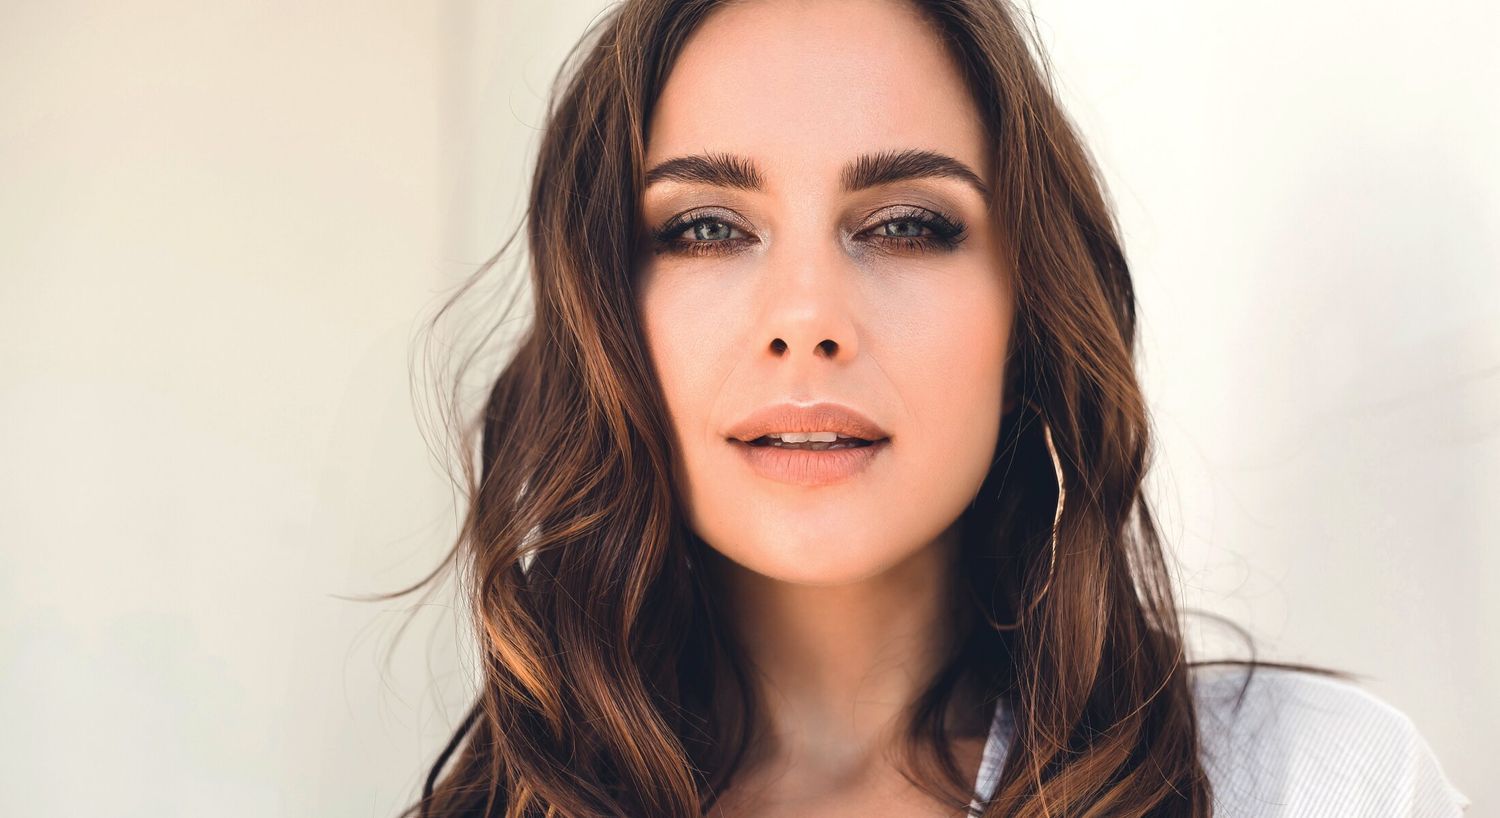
{"x": 1288, "y": 742}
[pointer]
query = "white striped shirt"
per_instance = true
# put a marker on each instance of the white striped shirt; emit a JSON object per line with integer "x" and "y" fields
{"x": 1300, "y": 745}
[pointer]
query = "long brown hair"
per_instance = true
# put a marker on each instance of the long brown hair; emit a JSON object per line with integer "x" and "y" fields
{"x": 610, "y": 682}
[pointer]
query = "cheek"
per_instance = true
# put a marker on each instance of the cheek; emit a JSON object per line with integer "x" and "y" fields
{"x": 948, "y": 362}
{"x": 690, "y": 340}
{"x": 684, "y": 333}
{"x": 957, "y": 349}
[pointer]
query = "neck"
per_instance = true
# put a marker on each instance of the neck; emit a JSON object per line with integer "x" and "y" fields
{"x": 836, "y": 667}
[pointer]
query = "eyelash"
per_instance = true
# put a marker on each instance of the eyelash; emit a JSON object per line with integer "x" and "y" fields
{"x": 945, "y": 234}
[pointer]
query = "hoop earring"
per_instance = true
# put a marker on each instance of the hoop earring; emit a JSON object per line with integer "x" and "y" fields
{"x": 1062, "y": 494}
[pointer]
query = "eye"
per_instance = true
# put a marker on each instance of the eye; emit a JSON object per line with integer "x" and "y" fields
{"x": 700, "y": 234}
{"x": 906, "y": 228}
{"x": 909, "y": 228}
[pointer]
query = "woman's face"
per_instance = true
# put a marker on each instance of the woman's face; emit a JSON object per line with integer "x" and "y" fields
{"x": 826, "y": 238}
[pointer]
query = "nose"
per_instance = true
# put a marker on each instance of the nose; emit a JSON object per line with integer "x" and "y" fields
{"x": 810, "y": 303}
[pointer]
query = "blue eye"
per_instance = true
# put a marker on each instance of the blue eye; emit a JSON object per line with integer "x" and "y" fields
{"x": 704, "y": 230}
{"x": 701, "y": 234}
{"x": 909, "y": 228}
{"x": 917, "y": 229}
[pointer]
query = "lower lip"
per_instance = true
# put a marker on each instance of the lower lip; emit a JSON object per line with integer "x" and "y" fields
{"x": 809, "y": 467}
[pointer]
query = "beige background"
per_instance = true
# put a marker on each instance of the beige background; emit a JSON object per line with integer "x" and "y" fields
{"x": 220, "y": 224}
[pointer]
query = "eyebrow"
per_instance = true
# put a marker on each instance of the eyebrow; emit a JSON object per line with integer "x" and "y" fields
{"x": 866, "y": 171}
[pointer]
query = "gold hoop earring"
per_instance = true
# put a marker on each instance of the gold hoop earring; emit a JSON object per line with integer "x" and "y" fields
{"x": 1062, "y": 494}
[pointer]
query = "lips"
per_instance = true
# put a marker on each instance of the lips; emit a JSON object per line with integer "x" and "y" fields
{"x": 842, "y": 442}
{"x": 822, "y": 416}
{"x": 811, "y": 468}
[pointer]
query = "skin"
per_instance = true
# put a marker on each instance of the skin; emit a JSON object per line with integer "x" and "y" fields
{"x": 839, "y": 592}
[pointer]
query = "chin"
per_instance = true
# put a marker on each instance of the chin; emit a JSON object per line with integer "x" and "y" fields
{"x": 824, "y": 555}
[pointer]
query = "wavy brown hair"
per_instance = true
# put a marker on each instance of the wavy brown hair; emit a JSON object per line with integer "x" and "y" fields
{"x": 611, "y": 684}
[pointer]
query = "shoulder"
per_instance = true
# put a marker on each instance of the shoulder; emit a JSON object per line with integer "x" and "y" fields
{"x": 1298, "y": 743}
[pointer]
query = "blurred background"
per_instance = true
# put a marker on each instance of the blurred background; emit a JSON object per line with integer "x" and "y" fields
{"x": 222, "y": 224}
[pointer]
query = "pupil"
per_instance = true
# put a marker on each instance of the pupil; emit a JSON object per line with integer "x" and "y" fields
{"x": 904, "y": 227}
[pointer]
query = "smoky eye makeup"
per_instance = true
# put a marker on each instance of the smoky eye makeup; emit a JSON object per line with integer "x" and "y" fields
{"x": 909, "y": 228}
{"x": 701, "y": 231}
{"x": 897, "y": 230}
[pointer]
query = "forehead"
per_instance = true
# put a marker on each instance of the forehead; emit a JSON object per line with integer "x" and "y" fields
{"x": 800, "y": 85}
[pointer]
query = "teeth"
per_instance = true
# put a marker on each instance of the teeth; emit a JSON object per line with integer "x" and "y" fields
{"x": 807, "y": 437}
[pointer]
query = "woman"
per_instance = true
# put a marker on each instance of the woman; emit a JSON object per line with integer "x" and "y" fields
{"x": 815, "y": 486}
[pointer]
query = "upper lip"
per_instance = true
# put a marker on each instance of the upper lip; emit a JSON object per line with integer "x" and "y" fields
{"x": 822, "y": 416}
